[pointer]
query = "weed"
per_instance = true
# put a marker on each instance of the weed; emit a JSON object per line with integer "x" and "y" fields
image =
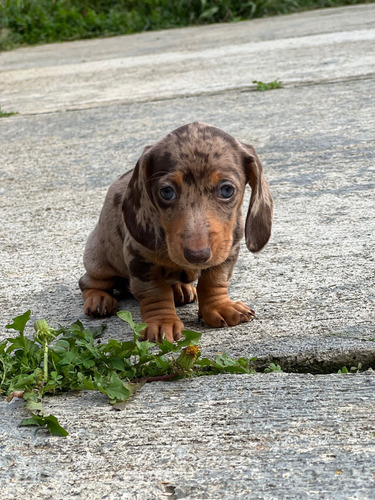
{"x": 261, "y": 86}
{"x": 5, "y": 115}
{"x": 64, "y": 359}
{"x": 353, "y": 369}
{"x": 273, "y": 368}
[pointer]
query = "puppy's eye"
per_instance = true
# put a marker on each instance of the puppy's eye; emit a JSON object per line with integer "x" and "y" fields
{"x": 167, "y": 193}
{"x": 226, "y": 191}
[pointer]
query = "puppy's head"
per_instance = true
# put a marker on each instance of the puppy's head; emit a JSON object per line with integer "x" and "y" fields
{"x": 194, "y": 180}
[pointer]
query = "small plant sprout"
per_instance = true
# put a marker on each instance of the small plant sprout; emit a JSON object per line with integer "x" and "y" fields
{"x": 261, "y": 86}
{"x": 272, "y": 368}
{"x": 3, "y": 114}
{"x": 353, "y": 369}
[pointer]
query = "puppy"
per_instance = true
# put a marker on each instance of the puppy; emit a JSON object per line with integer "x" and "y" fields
{"x": 174, "y": 219}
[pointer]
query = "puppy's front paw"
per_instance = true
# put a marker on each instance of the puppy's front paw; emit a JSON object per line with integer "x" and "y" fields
{"x": 184, "y": 293}
{"x": 226, "y": 313}
{"x": 169, "y": 329}
{"x": 99, "y": 303}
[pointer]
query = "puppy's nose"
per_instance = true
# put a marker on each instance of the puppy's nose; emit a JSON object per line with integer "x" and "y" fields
{"x": 197, "y": 256}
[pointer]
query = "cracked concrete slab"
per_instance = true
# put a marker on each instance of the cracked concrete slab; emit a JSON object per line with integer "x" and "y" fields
{"x": 264, "y": 436}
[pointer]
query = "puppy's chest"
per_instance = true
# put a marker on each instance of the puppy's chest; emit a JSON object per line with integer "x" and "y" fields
{"x": 172, "y": 276}
{"x": 158, "y": 265}
{"x": 169, "y": 270}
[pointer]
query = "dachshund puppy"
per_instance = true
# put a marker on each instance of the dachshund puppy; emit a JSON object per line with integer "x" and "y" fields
{"x": 174, "y": 219}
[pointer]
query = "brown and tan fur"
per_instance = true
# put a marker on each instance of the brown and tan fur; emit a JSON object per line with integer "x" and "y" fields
{"x": 162, "y": 245}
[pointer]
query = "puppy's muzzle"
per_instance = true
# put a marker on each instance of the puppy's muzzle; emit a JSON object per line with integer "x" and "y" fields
{"x": 197, "y": 256}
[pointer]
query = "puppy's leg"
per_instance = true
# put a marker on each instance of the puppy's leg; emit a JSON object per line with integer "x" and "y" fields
{"x": 98, "y": 300}
{"x": 100, "y": 277}
{"x": 157, "y": 309}
{"x": 215, "y": 306}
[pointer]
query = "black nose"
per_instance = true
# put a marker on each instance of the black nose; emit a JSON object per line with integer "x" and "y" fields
{"x": 197, "y": 256}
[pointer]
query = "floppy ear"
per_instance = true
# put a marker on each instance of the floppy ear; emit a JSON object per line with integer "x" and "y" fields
{"x": 140, "y": 215}
{"x": 259, "y": 216}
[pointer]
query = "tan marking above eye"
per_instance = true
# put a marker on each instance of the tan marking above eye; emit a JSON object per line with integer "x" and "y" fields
{"x": 215, "y": 178}
{"x": 177, "y": 179}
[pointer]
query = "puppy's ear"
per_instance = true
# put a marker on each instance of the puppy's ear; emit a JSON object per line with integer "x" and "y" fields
{"x": 259, "y": 216}
{"x": 140, "y": 214}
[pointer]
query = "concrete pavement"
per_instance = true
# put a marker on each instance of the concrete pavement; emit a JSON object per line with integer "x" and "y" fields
{"x": 86, "y": 109}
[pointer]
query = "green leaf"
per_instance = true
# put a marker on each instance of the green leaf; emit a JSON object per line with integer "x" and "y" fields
{"x": 88, "y": 363}
{"x": 118, "y": 349}
{"x": 50, "y": 423}
{"x": 29, "y": 421}
{"x": 126, "y": 316}
{"x": 236, "y": 368}
{"x": 166, "y": 347}
{"x": 139, "y": 327}
{"x": 273, "y": 368}
{"x": 71, "y": 358}
{"x": 117, "y": 364}
{"x": 34, "y": 406}
{"x": 130, "y": 373}
{"x": 114, "y": 388}
{"x": 204, "y": 362}
{"x": 223, "y": 360}
{"x": 19, "y": 322}
{"x": 60, "y": 346}
{"x": 245, "y": 362}
{"x": 162, "y": 364}
{"x": 16, "y": 343}
{"x": 142, "y": 350}
{"x": 343, "y": 370}
{"x": 76, "y": 327}
{"x": 86, "y": 383}
{"x": 190, "y": 337}
{"x": 25, "y": 381}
